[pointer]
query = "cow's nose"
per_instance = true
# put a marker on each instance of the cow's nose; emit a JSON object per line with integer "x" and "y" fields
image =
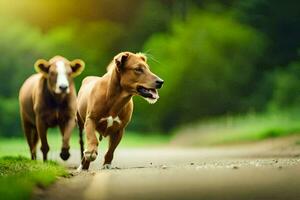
{"x": 159, "y": 83}
{"x": 63, "y": 88}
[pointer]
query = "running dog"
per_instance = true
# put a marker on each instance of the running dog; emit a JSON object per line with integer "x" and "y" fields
{"x": 105, "y": 103}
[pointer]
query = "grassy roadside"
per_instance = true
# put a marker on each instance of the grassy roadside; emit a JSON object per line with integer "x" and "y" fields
{"x": 18, "y": 146}
{"x": 236, "y": 129}
{"x": 19, "y": 176}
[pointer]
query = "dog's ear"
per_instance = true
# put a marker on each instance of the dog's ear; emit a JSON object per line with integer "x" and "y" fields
{"x": 121, "y": 59}
{"x": 42, "y": 66}
{"x": 142, "y": 56}
{"x": 77, "y": 67}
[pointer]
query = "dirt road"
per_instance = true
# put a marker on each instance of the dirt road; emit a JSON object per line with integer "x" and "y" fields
{"x": 266, "y": 170}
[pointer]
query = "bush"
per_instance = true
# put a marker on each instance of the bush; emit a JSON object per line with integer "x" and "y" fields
{"x": 207, "y": 63}
{"x": 9, "y": 117}
{"x": 286, "y": 90}
{"x": 16, "y": 63}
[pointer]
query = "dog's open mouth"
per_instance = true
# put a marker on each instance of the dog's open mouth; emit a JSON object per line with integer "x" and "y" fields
{"x": 151, "y": 95}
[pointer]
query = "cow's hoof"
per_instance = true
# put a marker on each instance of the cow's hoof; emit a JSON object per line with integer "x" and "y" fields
{"x": 90, "y": 155}
{"x": 106, "y": 166}
{"x": 64, "y": 154}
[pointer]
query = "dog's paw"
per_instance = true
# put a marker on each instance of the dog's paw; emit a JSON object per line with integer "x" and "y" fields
{"x": 90, "y": 155}
{"x": 79, "y": 169}
{"x": 107, "y": 166}
{"x": 85, "y": 164}
{"x": 64, "y": 154}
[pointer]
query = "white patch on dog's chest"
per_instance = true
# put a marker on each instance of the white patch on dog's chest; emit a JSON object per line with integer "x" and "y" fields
{"x": 110, "y": 120}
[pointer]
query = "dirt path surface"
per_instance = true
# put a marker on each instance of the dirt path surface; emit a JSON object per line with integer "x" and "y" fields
{"x": 266, "y": 170}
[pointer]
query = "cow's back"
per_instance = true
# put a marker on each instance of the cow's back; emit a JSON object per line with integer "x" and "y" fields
{"x": 26, "y": 98}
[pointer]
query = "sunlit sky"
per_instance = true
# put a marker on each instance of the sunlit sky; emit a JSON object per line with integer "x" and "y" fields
{"x": 49, "y": 13}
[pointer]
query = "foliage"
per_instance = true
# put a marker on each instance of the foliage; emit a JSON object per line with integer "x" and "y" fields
{"x": 9, "y": 117}
{"x": 217, "y": 57}
{"x": 207, "y": 63}
{"x": 286, "y": 90}
{"x": 239, "y": 128}
{"x": 278, "y": 20}
{"x": 19, "y": 48}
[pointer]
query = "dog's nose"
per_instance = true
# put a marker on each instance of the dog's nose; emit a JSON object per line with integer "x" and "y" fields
{"x": 159, "y": 83}
{"x": 63, "y": 88}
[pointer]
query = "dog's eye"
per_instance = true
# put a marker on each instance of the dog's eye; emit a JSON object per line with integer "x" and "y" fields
{"x": 139, "y": 70}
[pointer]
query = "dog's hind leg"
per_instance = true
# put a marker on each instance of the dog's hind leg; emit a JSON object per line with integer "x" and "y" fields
{"x": 80, "y": 127}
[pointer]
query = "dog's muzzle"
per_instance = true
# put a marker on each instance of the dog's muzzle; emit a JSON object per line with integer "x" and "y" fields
{"x": 159, "y": 83}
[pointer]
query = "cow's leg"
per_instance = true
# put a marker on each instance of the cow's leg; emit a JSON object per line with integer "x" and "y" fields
{"x": 81, "y": 127}
{"x": 90, "y": 153}
{"x": 66, "y": 131}
{"x": 114, "y": 140}
{"x": 35, "y": 139}
{"x": 30, "y": 137}
{"x": 42, "y": 132}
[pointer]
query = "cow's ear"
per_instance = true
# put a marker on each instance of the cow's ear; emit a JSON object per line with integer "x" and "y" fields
{"x": 77, "y": 66}
{"x": 121, "y": 59}
{"x": 42, "y": 66}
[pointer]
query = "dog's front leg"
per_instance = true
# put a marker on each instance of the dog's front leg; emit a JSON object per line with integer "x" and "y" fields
{"x": 90, "y": 154}
{"x": 66, "y": 131}
{"x": 114, "y": 140}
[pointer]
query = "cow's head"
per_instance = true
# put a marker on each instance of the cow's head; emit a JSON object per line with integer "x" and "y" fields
{"x": 59, "y": 72}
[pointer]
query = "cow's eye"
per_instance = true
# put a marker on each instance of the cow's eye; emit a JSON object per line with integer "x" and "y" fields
{"x": 139, "y": 70}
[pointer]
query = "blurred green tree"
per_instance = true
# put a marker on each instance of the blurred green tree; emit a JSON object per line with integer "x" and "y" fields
{"x": 207, "y": 63}
{"x": 286, "y": 90}
{"x": 279, "y": 22}
{"x": 18, "y": 50}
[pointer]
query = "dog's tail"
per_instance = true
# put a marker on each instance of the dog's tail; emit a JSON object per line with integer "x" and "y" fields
{"x": 80, "y": 126}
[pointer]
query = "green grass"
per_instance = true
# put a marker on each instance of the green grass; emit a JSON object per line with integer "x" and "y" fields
{"x": 243, "y": 128}
{"x": 19, "y": 176}
{"x": 18, "y": 146}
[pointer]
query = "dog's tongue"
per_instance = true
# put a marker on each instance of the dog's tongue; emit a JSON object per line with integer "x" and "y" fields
{"x": 154, "y": 94}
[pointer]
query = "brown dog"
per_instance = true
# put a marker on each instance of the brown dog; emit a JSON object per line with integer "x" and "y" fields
{"x": 105, "y": 103}
{"x": 48, "y": 99}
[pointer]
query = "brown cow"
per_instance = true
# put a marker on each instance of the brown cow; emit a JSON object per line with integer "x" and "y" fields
{"x": 48, "y": 99}
{"x": 105, "y": 103}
